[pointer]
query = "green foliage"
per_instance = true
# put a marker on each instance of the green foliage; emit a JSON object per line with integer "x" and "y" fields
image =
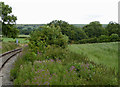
{"x": 114, "y": 37}
{"x": 8, "y": 21}
{"x": 40, "y": 39}
{"x": 74, "y": 33}
{"x": 55, "y": 53}
{"x": 113, "y": 28}
{"x": 104, "y": 38}
{"x": 94, "y": 29}
{"x": 7, "y": 46}
{"x": 72, "y": 69}
{"x": 90, "y": 40}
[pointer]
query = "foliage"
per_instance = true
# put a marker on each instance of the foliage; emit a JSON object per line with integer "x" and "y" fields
{"x": 94, "y": 29}
{"x": 7, "y": 46}
{"x": 90, "y": 40}
{"x": 74, "y": 33}
{"x": 73, "y": 69}
{"x": 104, "y": 38}
{"x": 114, "y": 37}
{"x": 55, "y": 53}
{"x": 113, "y": 28}
{"x": 8, "y": 21}
{"x": 40, "y": 39}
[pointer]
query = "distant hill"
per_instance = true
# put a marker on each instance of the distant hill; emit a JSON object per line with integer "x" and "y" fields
{"x": 28, "y": 26}
{"x": 35, "y": 26}
{"x": 82, "y": 25}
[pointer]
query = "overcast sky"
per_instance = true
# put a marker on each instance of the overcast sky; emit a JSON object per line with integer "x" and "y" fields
{"x": 71, "y": 11}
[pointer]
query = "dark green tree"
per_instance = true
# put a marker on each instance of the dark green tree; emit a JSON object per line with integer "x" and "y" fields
{"x": 8, "y": 21}
{"x": 71, "y": 31}
{"x": 94, "y": 29}
{"x": 113, "y": 28}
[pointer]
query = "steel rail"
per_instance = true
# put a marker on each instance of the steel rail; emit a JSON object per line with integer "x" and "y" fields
{"x": 16, "y": 51}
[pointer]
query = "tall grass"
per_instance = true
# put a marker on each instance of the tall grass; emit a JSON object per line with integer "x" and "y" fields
{"x": 101, "y": 53}
{"x": 7, "y": 46}
{"x": 53, "y": 69}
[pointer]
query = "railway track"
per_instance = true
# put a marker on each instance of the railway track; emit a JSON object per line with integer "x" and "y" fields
{"x": 4, "y": 58}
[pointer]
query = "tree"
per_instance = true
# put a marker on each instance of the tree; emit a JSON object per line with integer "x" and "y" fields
{"x": 71, "y": 31}
{"x": 113, "y": 28}
{"x": 48, "y": 35}
{"x": 94, "y": 29}
{"x": 8, "y": 21}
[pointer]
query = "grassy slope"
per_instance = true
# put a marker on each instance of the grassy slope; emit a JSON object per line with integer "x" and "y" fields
{"x": 100, "y": 53}
{"x": 7, "y": 46}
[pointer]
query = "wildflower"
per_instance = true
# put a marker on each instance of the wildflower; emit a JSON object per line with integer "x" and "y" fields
{"x": 38, "y": 52}
{"x": 46, "y": 83}
{"x": 49, "y": 77}
{"x": 72, "y": 68}
{"x": 40, "y": 61}
{"x": 51, "y": 60}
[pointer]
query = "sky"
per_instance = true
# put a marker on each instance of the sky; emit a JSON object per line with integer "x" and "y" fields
{"x": 71, "y": 11}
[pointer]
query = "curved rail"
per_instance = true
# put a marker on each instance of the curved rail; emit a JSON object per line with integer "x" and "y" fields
{"x": 8, "y": 55}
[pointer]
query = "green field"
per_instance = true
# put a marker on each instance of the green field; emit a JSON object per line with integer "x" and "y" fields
{"x": 20, "y": 40}
{"x": 9, "y": 43}
{"x": 23, "y": 36}
{"x": 100, "y": 53}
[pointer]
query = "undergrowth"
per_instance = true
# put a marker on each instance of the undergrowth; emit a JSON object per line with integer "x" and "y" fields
{"x": 60, "y": 67}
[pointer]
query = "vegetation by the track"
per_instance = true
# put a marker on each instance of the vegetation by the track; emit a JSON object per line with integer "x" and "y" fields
{"x": 64, "y": 67}
{"x": 7, "y": 46}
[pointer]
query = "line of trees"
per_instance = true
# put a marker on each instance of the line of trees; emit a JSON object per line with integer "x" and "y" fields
{"x": 90, "y": 33}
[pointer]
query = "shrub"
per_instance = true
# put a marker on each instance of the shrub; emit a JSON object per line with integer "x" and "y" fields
{"x": 103, "y": 38}
{"x": 40, "y": 39}
{"x": 90, "y": 40}
{"x": 55, "y": 52}
{"x": 114, "y": 37}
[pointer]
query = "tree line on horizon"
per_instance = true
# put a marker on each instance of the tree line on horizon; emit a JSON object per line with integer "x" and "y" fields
{"x": 88, "y": 33}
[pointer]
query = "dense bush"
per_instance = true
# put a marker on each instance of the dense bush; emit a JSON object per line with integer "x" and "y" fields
{"x": 114, "y": 37}
{"x": 55, "y": 53}
{"x": 74, "y": 33}
{"x": 40, "y": 39}
{"x": 90, "y": 40}
{"x": 100, "y": 39}
{"x": 104, "y": 38}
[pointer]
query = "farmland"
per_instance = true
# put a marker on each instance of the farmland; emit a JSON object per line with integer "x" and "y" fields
{"x": 8, "y": 44}
{"x": 20, "y": 40}
{"x": 100, "y": 53}
{"x": 59, "y": 53}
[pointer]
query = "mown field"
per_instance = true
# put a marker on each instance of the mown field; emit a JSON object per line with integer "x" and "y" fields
{"x": 101, "y": 53}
